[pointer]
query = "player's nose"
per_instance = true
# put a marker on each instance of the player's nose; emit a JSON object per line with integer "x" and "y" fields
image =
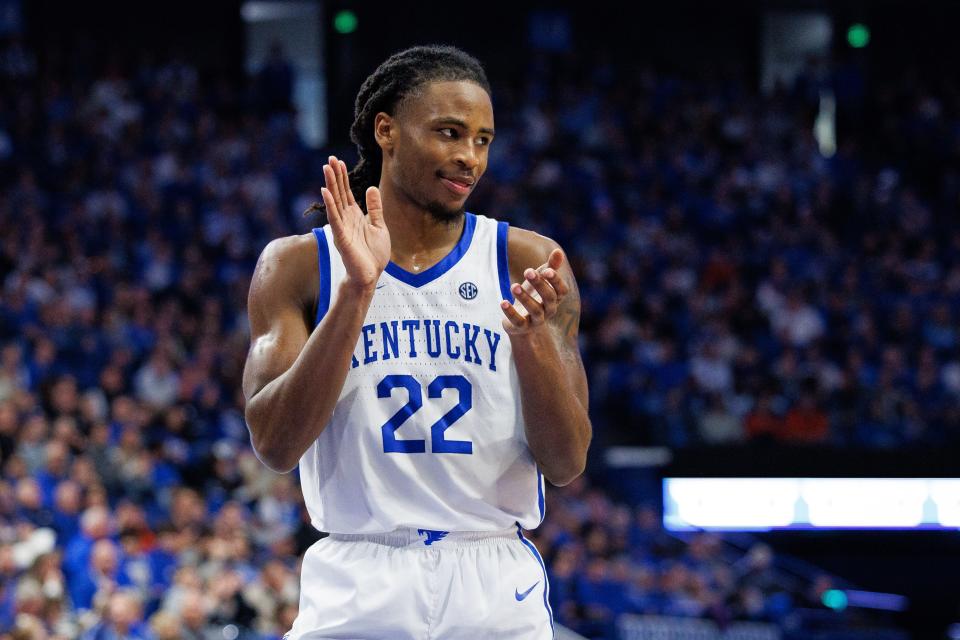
{"x": 467, "y": 155}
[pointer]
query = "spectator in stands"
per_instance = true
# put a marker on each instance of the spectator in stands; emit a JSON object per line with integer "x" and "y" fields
{"x": 123, "y": 619}
{"x": 806, "y": 422}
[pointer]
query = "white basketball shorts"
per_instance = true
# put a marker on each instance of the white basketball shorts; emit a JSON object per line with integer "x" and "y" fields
{"x": 417, "y": 584}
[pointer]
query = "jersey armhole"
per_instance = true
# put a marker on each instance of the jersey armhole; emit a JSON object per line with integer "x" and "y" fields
{"x": 541, "y": 503}
{"x": 323, "y": 260}
{"x": 503, "y": 267}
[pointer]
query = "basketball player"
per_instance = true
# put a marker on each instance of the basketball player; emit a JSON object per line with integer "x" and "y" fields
{"x": 420, "y": 364}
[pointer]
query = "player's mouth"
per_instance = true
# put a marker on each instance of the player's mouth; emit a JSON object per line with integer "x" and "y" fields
{"x": 461, "y": 186}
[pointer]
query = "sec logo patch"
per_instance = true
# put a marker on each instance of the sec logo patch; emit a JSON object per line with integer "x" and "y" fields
{"x": 468, "y": 291}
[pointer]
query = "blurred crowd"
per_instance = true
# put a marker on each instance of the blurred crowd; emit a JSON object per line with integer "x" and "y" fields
{"x": 736, "y": 285}
{"x": 131, "y": 504}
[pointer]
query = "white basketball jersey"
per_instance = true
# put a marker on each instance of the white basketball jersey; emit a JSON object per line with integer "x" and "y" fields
{"x": 428, "y": 431}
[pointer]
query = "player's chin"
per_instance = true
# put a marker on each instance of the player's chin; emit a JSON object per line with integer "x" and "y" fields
{"x": 446, "y": 211}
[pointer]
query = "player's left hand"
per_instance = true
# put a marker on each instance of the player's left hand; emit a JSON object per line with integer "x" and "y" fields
{"x": 537, "y": 298}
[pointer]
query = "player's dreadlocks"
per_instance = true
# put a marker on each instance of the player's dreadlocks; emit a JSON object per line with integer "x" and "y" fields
{"x": 401, "y": 75}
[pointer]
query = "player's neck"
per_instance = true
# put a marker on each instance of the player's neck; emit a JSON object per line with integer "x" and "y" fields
{"x": 416, "y": 236}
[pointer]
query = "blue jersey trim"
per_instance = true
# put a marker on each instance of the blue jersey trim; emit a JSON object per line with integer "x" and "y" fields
{"x": 503, "y": 268}
{"x": 540, "y": 501}
{"x": 323, "y": 259}
{"x": 437, "y": 270}
{"x": 546, "y": 580}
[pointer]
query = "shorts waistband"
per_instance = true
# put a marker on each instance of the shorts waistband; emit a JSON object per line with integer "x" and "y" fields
{"x": 430, "y": 537}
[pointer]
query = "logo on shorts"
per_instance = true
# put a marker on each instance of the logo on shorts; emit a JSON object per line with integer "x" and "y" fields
{"x": 432, "y": 536}
{"x": 468, "y": 291}
{"x": 522, "y": 596}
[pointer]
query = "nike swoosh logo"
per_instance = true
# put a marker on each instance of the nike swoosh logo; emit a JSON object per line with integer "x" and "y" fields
{"x": 381, "y": 286}
{"x": 521, "y": 596}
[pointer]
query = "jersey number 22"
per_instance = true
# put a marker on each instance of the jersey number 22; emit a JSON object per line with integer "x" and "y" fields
{"x": 439, "y": 444}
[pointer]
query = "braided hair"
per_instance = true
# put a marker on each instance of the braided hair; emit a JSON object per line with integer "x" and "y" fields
{"x": 399, "y": 77}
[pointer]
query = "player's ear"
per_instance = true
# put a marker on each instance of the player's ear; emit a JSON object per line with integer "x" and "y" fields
{"x": 384, "y": 130}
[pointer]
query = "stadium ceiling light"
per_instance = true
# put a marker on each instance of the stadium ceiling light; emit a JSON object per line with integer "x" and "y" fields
{"x": 858, "y": 35}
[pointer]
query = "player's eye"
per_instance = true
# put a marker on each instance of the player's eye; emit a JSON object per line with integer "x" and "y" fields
{"x": 452, "y": 132}
{"x": 484, "y": 141}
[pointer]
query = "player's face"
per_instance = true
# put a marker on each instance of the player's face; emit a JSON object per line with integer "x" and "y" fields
{"x": 445, "y": 130}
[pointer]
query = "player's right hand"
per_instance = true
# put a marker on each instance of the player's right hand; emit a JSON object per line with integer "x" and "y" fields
{"x": 363, "y": 241}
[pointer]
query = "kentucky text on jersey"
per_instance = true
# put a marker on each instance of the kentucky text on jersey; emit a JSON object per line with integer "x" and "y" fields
{"x": 396, "y": 339}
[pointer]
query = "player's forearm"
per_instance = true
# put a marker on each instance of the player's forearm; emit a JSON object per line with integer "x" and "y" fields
{"x": 291, "y": 411}
{"x": 557, "y": 424}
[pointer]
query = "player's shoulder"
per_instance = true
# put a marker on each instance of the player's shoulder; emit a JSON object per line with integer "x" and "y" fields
{"x": 288, "y": 266}
{"x": 526, "y": 248}
{"x": 290, "y": 251}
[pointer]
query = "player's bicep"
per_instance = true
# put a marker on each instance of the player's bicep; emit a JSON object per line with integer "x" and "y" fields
{"x": 277, "y": 328}
{"x": 273, "y": 351}
{"x": 566, "y": 322}
{"x": 566, "y": 326}
{"x": 529, "y": 249}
